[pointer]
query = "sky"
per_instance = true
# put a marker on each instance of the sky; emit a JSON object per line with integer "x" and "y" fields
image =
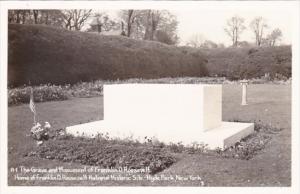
{"x": 209, "y": 21}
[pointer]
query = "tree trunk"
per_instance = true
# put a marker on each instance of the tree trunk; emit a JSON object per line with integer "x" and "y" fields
{"x": 236, "y": 37}
{"x": 35, "y": 15}
{"x": 18, "y": 17}
{"x": 148, "y": 25}
{"x": 23, "y": 16}
{"x": 47, "y": 18}
{"x": 128, "y": 29}
{"x": 153, "y": 27}
{"x": 99, "y": 28}
{"x": 129, "y": 22}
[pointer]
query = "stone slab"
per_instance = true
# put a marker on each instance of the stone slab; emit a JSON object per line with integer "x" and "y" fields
{"x": 222, "y": 137}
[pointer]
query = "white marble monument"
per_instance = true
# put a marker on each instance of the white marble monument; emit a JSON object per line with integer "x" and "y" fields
{"x": 186, "y": 113}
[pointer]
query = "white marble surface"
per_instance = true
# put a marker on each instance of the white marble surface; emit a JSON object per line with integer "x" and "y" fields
{"x": 164, "y": 108}
{"x": 227, "y": 134}
{"x": 184, "y": 113}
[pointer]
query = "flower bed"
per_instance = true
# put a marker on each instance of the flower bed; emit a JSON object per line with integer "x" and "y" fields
{"x": 105, "y": 153}
{"x": 41, "y": 93}
{"x": 91, "y": 89}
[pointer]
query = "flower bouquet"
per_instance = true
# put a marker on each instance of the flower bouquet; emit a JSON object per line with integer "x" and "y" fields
{"x": 40, "y": 133}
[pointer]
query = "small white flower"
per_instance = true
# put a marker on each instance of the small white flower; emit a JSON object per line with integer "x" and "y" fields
{"x": 38, "y": 125}
{"x": 35, "y": 128}
{"x": 39, "y": 143}
{"x": 40, "y": 129}
{"x": 47, "y": 125}
{"x": 202, "y": 183}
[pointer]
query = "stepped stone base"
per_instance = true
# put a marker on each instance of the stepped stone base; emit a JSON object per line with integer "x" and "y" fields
{"x": 222, "y": 137}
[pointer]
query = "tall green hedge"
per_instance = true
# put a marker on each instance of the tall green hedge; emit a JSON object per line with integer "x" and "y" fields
{"x": 251, "y": 62}
{"x": 43, "y": 54}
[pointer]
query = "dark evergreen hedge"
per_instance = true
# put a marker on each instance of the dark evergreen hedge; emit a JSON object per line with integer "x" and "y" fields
{"x": 43, "y": 54}
{"x": 251, "y": 62}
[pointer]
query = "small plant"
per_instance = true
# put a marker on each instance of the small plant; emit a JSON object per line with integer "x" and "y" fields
{"x": 197, "y": 148}
{"x": 176, "y": 148}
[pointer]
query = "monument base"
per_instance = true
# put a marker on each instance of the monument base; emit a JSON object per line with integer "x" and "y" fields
{"x": 220, "y": 137}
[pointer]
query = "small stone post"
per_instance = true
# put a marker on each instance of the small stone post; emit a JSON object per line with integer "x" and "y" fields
{"x": 244, "y": 84}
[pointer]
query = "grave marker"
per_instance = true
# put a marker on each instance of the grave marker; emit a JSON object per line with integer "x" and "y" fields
{"x": 184, "y": 113}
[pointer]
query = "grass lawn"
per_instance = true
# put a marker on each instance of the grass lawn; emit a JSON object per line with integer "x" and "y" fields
{"x": 270, "y": 167}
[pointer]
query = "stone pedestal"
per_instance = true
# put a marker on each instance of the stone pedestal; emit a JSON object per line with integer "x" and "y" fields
{"x": 244, "y": 84}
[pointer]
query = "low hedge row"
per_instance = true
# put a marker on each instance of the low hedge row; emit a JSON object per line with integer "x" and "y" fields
{"x": 49, "y": 92}
{"x": 41, "y": 94}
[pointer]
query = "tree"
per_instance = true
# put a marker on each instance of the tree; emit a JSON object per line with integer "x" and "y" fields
{"x": 152, "y": 21}
{"x": 35, "y": 16}
{"x": 156, "y": 25}
{"x": 235, "y": 26}
{"x": 102, "y": 22}
{"x": 159, "y": 20}
{"x": 24, "y": 14}
{"x": 168, "y": 24}
{"x": 47, "y": 17}
{"x": 258, "y": 25}
{"x": 208, "y": 44}
{"x": 274, "y": 37}
{"x": 74, "y": 19}
{"x": 196, "y": 41}
{"x": 129, "y": 20}
{"x": 18, "y": 16}
{"x": 164, "y": 37}
{"x": 51, "y": 17}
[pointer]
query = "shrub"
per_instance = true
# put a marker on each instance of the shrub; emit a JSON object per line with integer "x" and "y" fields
{"x": 48, "y": 92}
{"x": 41, "y": 94}
{"x": 176, "y": 148}
{"x": 87, "y": 89}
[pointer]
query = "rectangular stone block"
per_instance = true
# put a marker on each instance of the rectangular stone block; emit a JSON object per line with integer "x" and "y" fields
{"x": 163, "y": 108}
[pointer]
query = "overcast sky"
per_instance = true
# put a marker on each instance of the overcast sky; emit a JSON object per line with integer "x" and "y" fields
{"x": 209, "y": 21}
